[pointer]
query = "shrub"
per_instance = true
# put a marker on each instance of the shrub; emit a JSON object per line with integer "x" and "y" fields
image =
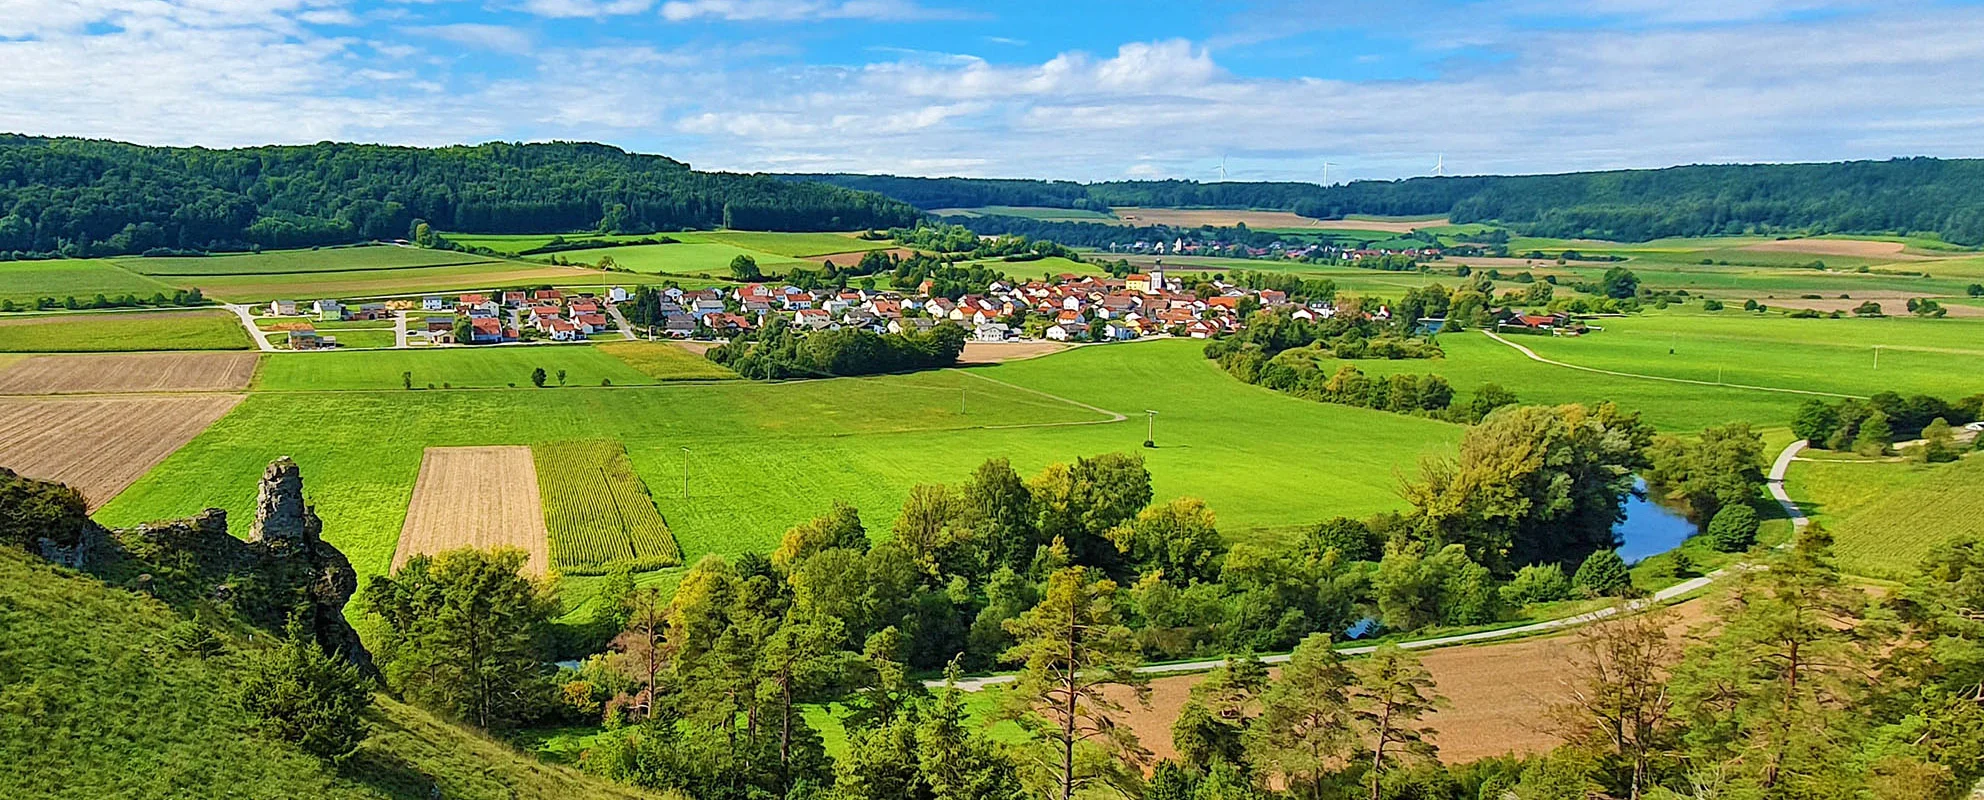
{"x": 1733, "y": 529}
{"x": 308, "y": 698}
{"x": 1604, "y": 574}
{"x": 1353, "y": 540}
{"x": 1537, "y": 583}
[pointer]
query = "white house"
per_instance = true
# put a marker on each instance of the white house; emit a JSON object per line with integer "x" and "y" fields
{"x": 283, "y": 308}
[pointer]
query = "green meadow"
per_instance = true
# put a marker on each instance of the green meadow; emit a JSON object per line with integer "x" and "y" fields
{"x": 762, "y": 457}
{"x": 1933, "y": 356}
{"x": 330, "y": 259}
{"x": 459, "y": 368}
{"x": 789, "y": 245}
{"x": 681, "y": 257}
{"x": 381, "y": 282}
{"x": 26, "y": 281}
{"x": 1886, "y": 515}
{"x": 116, "y": 331}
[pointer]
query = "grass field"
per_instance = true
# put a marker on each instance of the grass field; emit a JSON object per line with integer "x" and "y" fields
{"x": 104, "y": 332}
{"x": 1886, "y": 515}
{"x": 1943, "y": 357}
{"x": 787, "y": 245}
{"x": 766, "y": 456}
{"x": 664, "y": 361}
{"x": 684, "y": 257}
{"x": 598, "y": 511}
{"x": 26, "y": 281}
{"x": 330, "y": 259}
{"x": 1030, "y": 212}
{"x": 379, "y": 282}
{"x": 519, "y": 242}
{"x": 453, "y": 367}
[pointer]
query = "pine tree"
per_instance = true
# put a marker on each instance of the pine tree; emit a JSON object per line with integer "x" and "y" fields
{"x": 1072, "y": 648}
{"x": 1393, "y": 692}
{"x": 308, "y": 698}
{"x": 1604, "y": 574}
{"x": 1306, "y": 723}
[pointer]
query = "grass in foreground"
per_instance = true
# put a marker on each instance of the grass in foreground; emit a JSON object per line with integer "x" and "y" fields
{"x": 105, "y": 332}
{"x": 97, "y": 704}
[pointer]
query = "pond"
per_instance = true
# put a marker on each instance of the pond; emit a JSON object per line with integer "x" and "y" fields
{"x": 1649, "y": 527}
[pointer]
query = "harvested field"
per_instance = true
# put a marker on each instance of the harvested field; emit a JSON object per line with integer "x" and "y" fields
{"x": 482, "y": 497}
{"x": 1002, "y": 352}
{"x": 1837, "y": 247}
{"x": 138, "y": 372}
{"x": 1226, "y": 218}
{"x": 854, "y": 257}
{"x": 1499, "y": 694}
{"x": 101, "y": 445}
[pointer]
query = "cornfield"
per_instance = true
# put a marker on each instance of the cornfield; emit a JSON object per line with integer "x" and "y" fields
{"x": 598, "y": 512}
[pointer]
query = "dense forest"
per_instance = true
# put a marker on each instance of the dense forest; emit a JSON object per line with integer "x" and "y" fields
{"x": 1945, "y": 197}
{"x": 78, "y": 197}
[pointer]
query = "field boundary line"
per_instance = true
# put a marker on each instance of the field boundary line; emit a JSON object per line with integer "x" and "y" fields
{"x": 1662, "y": 596}
{"x": 1113, "y": 416}
{"x": 1615, "y": 373}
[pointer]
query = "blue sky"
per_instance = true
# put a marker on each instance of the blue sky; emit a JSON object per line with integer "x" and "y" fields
{"x": 1070, "y": 89}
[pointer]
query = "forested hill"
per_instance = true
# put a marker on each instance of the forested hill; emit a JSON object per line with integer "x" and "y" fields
{"x": 81, "y": 197}
{"x": 1897, "y": 196}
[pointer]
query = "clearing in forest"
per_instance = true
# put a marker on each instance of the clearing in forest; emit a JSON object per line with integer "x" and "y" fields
{"x": 100, "y": 445}
{"x": 481, "y": 497}
{"x": 137, "y": 372}
{"x": 598, "y": 511}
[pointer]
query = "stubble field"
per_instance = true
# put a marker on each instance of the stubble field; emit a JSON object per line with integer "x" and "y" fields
{"x": 481, "y": 497}
{"x": 137, "y": 372}
{"x": 100, "y": 445}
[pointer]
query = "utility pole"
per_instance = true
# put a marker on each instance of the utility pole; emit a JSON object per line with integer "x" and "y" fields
{"x": 1150, "y": 435}
{"x": 1877, "y": 357}
{"x": 961, "y": 401}
{"x": 685, "y": 473}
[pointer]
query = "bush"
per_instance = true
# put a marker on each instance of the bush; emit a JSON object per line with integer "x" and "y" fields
{"x": 308, "y": 698}
{"x": 1603, "y": 574}
{"x": 1734, "y": 528}
{"x": 1537, "y": 583}
{"x": 1352, "y": 539}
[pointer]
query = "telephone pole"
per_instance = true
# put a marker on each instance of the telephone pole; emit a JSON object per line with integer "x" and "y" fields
{"x": 685, "y": 473}
{"x": 1150, "y": 435}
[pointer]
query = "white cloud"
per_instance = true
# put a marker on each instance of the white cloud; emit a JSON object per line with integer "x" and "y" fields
{"x": 482, "y": 36}
{"x": 794, "y": 10}
{"x": 584, "y": 8}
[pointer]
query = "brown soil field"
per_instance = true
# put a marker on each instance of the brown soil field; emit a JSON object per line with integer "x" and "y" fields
{"x": 482, "y": 497}
{"x": 1498, "y": 694}
{"x": 139, "y": 372}
{"x": 1838, "y": 247}
{"x": 854, "y": 257}
{"x": 1893, "y": 303}
{"x": 1194, "y": 217}
{"x": 1002, "y": 352}
{"x": 101, "y": 445}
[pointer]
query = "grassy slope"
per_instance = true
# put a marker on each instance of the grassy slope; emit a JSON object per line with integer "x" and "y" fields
{"x": 92, "y": 705}
{"x": 788, "y": 245}
{"x": 25, "y": 281}
{"x": 1943, "y": 357}
{"x": 1885, "y": 516}
{"x": 373, "y": 283}
{"x": 763, "y": 457}
{"x": 123, "y": 331}
{"x": 665, "y": 361}
{"x": 684, "y": 257}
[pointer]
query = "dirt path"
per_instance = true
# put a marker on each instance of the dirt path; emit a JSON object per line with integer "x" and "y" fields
{"x": 1113, "y": 416}
{"x": 1617, "y": 374}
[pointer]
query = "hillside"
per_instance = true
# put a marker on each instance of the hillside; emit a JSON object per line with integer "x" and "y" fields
{"x": 1896, "y": 196}
{"x": 96, "y": 701}
{"x": 82, "y": 197}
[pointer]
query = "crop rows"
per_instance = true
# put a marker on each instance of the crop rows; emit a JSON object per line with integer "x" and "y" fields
{"x": 598, "y": 511}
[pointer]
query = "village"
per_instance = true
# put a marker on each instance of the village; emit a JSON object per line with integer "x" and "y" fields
{"x": 1066, "y": 308}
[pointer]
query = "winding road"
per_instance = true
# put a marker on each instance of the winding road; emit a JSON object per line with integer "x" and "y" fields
{"x": 1776, "y": 486}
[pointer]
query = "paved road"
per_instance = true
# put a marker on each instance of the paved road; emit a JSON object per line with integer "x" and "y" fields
{"x": 1791, "y": 510}
{"x": 1534, "y": 357}
{"x": 625, "y": 329}
{"x": 248, "y": 321}
{"x": 399, "y": 329}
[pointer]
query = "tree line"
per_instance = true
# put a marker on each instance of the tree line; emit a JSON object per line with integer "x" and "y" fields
{"x": 778, "y": 351}
{"x": 1905, "y": 195}
{"x": 81, "y": 197}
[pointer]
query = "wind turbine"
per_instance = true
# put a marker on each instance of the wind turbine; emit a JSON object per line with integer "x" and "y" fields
{"x": 1326, "y": 172}
{"x": 1222, "y": 169}
{"x": 1440, "y": 166}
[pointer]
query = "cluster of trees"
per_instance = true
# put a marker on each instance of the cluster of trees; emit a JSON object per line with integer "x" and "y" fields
{"x": 777, "y": 351}
{"x": 1870, "y": 426}
{"x": 959, "y": 240}
{"x": 179, "y": 297}
{"x": 77, "y": 197}
{"x": 1897, "y": 196}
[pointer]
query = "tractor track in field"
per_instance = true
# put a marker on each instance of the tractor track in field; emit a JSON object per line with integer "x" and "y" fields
{"x": 1617, "y": 374}
{"x": 1113, "y": 416}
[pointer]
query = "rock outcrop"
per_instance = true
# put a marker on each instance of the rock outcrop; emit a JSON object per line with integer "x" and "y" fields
{"x": 285, "y": 569}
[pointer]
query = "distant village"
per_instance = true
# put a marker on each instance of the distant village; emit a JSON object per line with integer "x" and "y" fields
{"x": 1065, "y": 308}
